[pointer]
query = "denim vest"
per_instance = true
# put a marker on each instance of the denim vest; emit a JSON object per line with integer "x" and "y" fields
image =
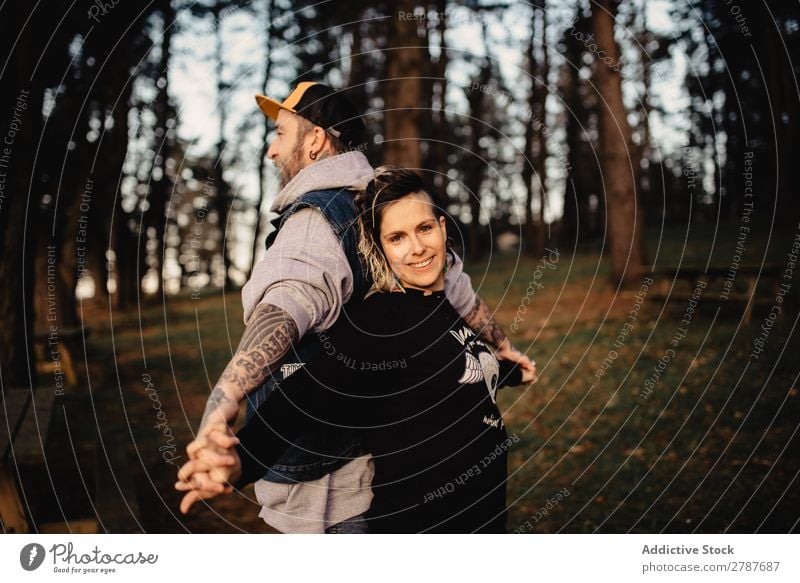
{"x": 324, "y": 450}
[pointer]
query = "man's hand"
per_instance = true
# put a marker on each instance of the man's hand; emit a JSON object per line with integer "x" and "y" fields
{"x": 213, "y": 467}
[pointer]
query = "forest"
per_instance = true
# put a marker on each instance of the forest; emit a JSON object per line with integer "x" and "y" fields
{"x": 633, "y": 158}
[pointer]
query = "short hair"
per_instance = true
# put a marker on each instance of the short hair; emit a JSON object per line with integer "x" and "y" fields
{"x": 388, "y": 185}
{"x": 305, "y": 126}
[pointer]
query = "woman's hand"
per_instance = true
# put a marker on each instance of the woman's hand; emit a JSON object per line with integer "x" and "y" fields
{"x": 200, "y": 479}
{"x": 213, "y": 466}
{"x": 507, "y": 351}
{"x": 529, "y": 376}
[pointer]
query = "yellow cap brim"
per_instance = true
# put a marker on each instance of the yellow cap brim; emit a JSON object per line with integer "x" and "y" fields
{"x": 270, "y": 107}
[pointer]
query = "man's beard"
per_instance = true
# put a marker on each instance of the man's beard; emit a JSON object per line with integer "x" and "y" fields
{"x": 290, "y": 169}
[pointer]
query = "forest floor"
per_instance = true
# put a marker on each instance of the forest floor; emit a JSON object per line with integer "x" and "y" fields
{"x": 653, "y": 426}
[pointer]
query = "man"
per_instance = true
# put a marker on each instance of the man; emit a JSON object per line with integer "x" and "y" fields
{"x": 309, "y": 274}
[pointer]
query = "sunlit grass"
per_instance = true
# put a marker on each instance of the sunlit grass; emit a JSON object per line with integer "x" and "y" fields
{"x": 706, "y": 448}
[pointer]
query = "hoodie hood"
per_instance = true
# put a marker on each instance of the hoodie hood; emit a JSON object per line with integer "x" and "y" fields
{"x": 350, "y": 170}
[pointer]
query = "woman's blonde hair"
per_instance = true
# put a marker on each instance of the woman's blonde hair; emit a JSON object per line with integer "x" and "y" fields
{"x": 387, "y": 185}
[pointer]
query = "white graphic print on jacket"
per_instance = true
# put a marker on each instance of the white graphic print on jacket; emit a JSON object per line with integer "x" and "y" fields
{"x": 484, "y": 367}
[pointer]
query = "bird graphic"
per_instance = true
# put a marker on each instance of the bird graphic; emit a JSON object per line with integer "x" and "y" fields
{"x": 483, "y": 368}
{"x": 473, "y": 371}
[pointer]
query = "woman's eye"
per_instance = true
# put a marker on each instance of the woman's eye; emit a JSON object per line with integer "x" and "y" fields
{"x": 425, "y": 228}
{"x": 394, "y": 238}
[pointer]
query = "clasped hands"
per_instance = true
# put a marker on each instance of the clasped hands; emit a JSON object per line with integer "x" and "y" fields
{"x": 213, "y": 466}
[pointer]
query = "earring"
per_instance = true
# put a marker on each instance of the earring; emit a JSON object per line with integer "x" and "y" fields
{"x": 312, "y": 155}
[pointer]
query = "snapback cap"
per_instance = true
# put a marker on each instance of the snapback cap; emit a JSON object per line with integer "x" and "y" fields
{"x": 322, "y": 106}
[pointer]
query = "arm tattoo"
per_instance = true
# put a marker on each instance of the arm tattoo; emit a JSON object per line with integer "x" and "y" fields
{"x": 480, "y": 319}
{"x": 215, "y": 400}
{"x": 267, "y": 338}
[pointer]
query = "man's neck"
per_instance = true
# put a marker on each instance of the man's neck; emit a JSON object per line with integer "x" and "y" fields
{"x": 321, "y": 156}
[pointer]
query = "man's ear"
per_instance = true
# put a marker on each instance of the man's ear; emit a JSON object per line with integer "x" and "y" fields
{"x": 319, "y": 141}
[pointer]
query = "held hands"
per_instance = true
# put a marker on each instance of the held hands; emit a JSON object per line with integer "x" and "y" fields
{"x": 507, "y": 351}
{"x": 221, "y": 412}
{"x": 213, "y": 466}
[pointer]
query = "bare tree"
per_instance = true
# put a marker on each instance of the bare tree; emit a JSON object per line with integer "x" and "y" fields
{"x": 617, "y": 160}
{"x": 161, "y": 183}
{"x": 22, "y": 104}
{"x": 536, "y": 134}
{"x": 403, "y": 92}
{"x": 262, "y": 161}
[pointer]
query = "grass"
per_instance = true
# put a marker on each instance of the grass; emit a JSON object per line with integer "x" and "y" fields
{"x": 711, "y": 447}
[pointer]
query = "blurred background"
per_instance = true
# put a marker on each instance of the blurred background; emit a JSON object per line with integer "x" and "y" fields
{"x": 621, "y": 174}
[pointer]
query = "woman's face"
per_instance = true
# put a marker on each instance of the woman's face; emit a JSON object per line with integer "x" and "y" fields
{"x": 413, "y": 241}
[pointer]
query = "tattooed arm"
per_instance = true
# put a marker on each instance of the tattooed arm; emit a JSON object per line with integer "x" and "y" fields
{"x": 269, "y": 335}
{"x": 481, "y": 320}
{"x": 471, "y": 307}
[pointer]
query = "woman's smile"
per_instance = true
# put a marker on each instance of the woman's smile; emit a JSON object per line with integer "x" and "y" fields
{"x": 422, "y": 264}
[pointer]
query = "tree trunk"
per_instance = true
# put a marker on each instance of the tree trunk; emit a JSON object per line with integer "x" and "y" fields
{"x": 542, "y": 91}
{"x": 474, "y": 174}
{"x": 624, "y": 216}
{"x": 573, "y": 220}
{"x": 403, "y": 92}
{"x": 643, "y": 153}
{"x": 262, "y": 162}
{"x": 534, "y": 171}
{"x": 222, "y": 198}
{"x": 437, "y": 153}
{"x": 129, "y": 244}
{"x": 21, "y": 106}
{"x": 161, "y": 186}
{"x": 528, "y": 166}
{"x": 784, "y": 110}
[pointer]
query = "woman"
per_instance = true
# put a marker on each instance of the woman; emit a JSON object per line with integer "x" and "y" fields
{"x": 408, "y": 372}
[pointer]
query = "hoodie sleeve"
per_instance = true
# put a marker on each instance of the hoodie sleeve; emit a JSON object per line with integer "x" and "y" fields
{"x": 510, "y": 374}
{"x": 305, "y": 272}
{"x": 458, "y": 285}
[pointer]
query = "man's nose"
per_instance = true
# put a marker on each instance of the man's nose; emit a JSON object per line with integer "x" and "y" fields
{"x": 272, "y": 151}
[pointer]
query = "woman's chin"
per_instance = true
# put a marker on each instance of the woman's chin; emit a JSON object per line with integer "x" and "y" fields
{"x": 427, "y": 283}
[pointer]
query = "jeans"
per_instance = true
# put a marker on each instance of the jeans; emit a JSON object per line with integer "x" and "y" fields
{"x": 355, "y": 525}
